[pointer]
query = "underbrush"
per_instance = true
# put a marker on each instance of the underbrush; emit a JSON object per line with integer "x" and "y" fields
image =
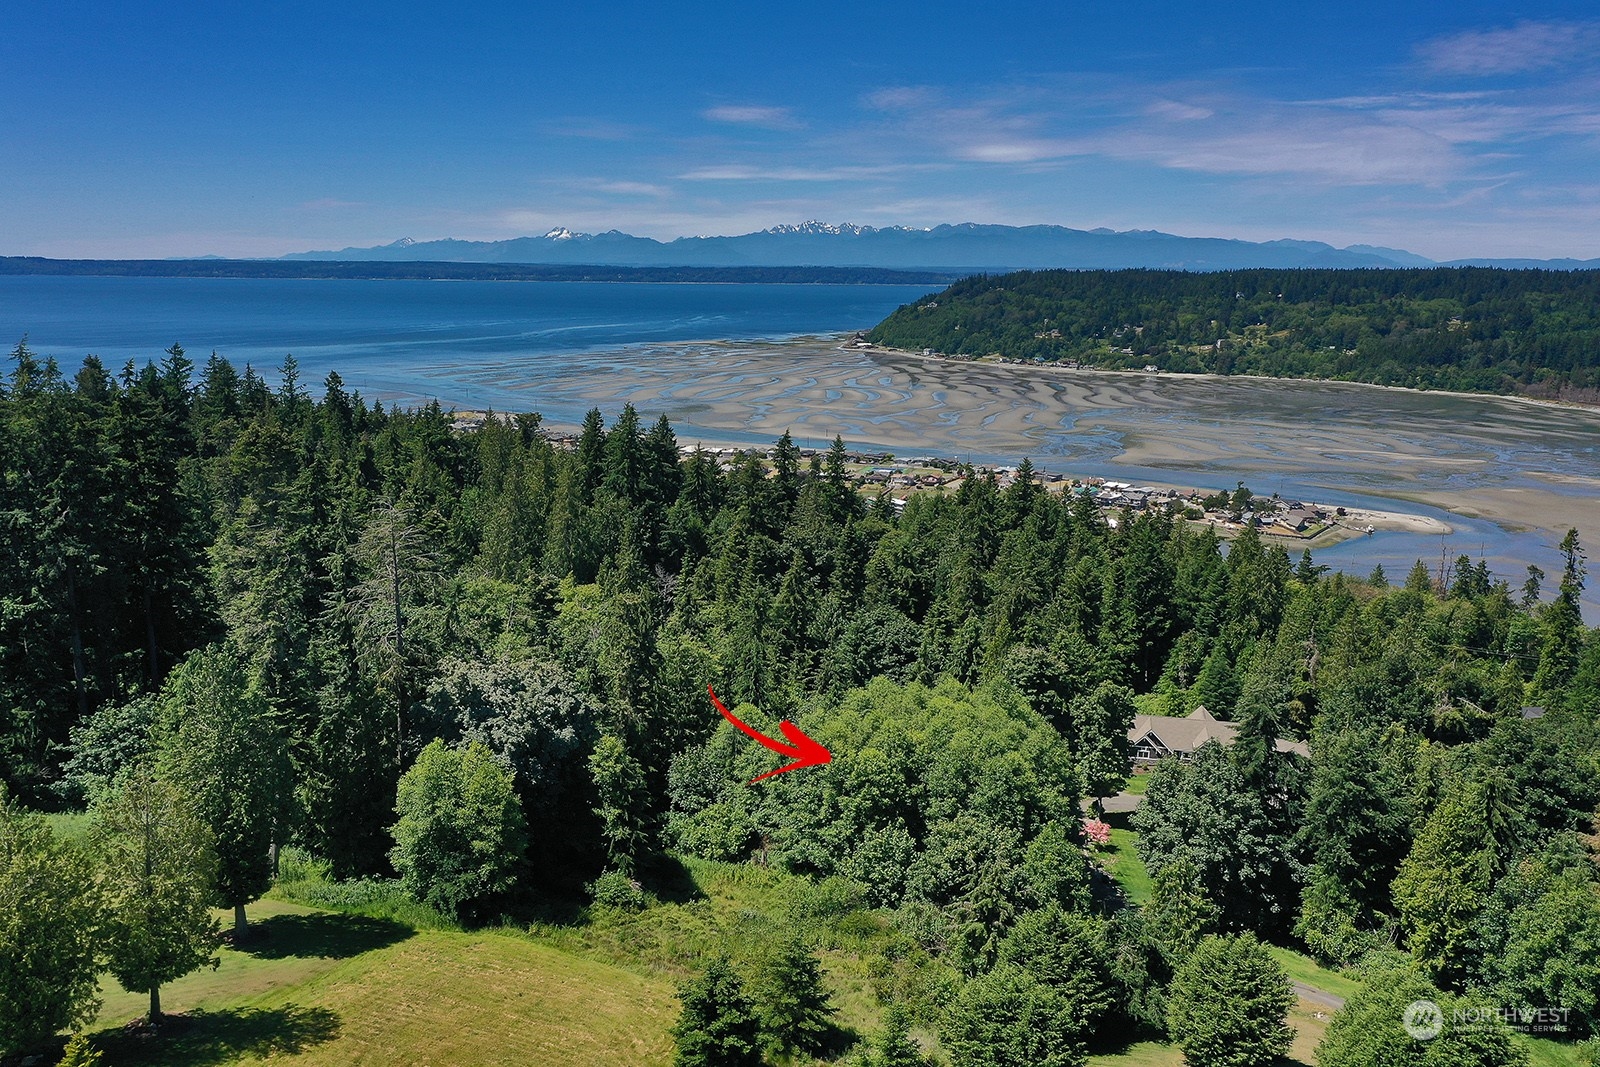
{"x": 305, "y": 879}
{"x": 871, "y": 957}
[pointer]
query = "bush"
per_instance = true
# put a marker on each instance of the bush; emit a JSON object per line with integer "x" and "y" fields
{"x": 306, "y": 879}
{"x": 613, "y": 889}
{"x": 1008, "y": 1018}
{"x": 50, "y": 915}
{"x": 79, "y": 1053}
{"x": 1371, "y": 1027}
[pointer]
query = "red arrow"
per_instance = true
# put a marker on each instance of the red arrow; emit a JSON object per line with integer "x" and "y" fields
{"x": 805, "y": 752}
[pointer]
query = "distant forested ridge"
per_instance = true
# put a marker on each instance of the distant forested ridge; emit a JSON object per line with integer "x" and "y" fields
{"x": 1476, "y": 329}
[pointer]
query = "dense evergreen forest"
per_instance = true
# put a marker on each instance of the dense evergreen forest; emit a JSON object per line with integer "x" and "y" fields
{"x": 1475, "y": 329}
{"x": 477, "y": 662}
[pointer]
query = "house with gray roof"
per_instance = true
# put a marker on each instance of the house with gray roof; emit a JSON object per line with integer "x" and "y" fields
{"x": 1155, "y": 737}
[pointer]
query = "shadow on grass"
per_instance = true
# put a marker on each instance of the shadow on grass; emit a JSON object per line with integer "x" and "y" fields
{"x": 837, "y": 1040}
{"x": 1118, "y": 820}
{"x": 669, "y": 880}
{"x": 329, "y": 935}
{"x": 202, "y": 1038}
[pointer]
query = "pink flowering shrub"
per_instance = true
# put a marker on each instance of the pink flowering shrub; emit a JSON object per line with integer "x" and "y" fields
{"x": 1096, "y": 832}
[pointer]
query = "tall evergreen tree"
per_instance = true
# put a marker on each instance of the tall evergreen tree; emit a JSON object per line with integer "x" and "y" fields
{"x": 790, "y": 1002}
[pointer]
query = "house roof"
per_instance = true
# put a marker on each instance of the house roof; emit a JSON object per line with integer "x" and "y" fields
{"x": 1188, "y": 733}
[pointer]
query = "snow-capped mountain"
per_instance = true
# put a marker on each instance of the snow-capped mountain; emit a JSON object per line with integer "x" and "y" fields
{"x": 963, "y": 247}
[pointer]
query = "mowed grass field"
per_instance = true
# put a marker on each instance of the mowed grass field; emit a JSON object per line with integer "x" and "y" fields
{"x": 320, "y": 988}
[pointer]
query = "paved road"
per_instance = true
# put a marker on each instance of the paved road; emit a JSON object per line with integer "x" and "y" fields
{"x": 1122, "y": 802}
{"x": 1320, "y": 997}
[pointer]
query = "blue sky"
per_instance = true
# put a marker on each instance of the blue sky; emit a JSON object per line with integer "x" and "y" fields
{"x": 165, "y": 129}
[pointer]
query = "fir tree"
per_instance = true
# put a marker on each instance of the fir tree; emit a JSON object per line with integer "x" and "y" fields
{"x": 717, "y": 1026}
{"x": 791, "y": 1004}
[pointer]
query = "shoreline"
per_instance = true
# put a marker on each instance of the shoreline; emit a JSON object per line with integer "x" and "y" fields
{"x": 1353, "y": 524}
{"x": 1517, "y": 466}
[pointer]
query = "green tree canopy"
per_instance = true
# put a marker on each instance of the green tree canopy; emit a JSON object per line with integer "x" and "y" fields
{"x": 158, "y": 867}
{"x": 50, "y": 918}
{"x": 1229, "y": 1004}
{"x": 222, "y": 747}
{"x": 1371, "y": 1027}
{"x": 460, "y": 835}
{"x": 1008, "y": 1018}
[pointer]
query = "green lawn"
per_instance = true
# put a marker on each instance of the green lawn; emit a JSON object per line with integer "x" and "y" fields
{"x": 325, "y": 987}
{"x": 1122, "y": 861}
{"x": 322, "y": 988}
{"x": 1547, "y": 1053}
{"x": 1303, "y": 968}
{"x": 332, "y": 989}
{"x": 1138, "y": 785}
{"x": 1142, "y": 1054}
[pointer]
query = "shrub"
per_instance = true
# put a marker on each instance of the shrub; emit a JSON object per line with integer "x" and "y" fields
{"x": 613, "y": 889}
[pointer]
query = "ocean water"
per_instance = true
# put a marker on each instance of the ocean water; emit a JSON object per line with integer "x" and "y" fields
{"x": 560, "y": 347}
{"x": 411, "y": 341}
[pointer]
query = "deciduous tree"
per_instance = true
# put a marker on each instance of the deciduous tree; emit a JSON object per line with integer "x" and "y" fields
{"x": 158, "y": 866}
{"x": 222, "y": 747}
{"x": 50, "y": 918}
{"x": 461, "y": 833}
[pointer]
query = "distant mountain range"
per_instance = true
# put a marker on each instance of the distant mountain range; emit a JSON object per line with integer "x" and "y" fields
{"x": 966, "y": 247}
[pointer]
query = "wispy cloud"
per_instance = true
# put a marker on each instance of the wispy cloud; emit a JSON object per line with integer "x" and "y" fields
{"x": 743, "y": 173}
{"x": 1177, "y": 111}
{"x": 900, "y": 97}
{"x": 772, "y": 118}
{"x": 1518, "y": 49}
{"x": 1019, "y": 149}
{"x": 1320, "y": 148}
{"x": 1214, "y": 135}
{"x": 626, "y": 188}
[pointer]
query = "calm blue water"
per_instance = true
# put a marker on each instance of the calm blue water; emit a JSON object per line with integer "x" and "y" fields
{"x": 402, "y": 339}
